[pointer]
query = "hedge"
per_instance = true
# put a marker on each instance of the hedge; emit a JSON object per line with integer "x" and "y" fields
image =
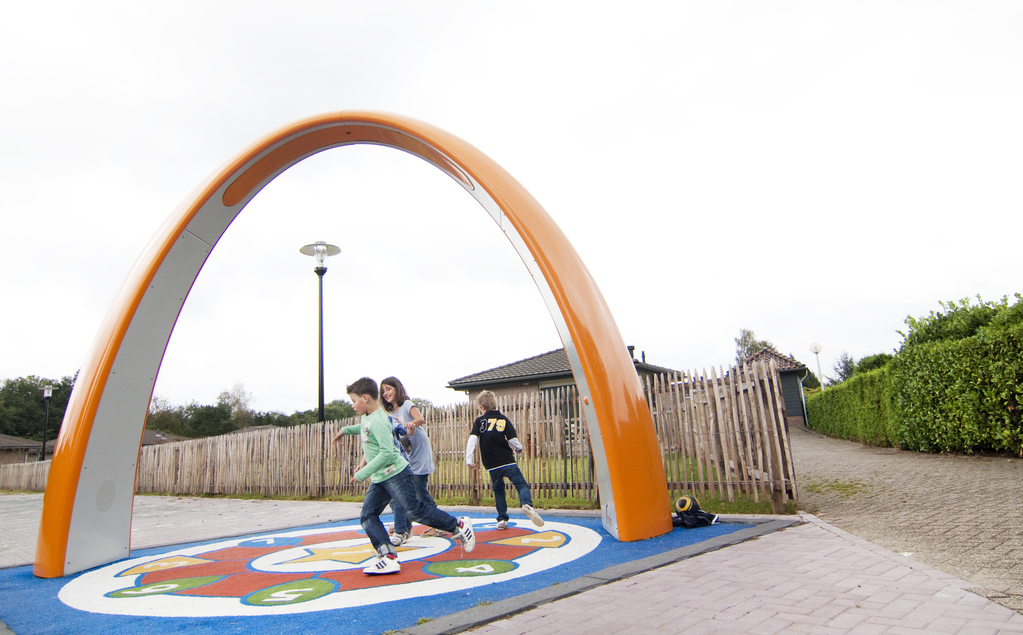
{"x": 955, "y": 385}
{"x": 862, "y": 408}
{"x": 962, "y": 395}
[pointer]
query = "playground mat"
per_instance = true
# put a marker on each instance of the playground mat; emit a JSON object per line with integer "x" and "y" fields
{"x": 311, "y": 578}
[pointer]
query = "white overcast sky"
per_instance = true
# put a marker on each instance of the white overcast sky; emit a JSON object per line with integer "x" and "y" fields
{"x": 814, "y": 171}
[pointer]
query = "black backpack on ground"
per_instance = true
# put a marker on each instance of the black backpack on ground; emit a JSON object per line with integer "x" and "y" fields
{"x": 689, "y": 515}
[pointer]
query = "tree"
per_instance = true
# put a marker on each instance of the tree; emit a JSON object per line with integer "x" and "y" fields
{"x": 872, "y": 362}
{"x": 747, "y": 344}
{"x": 166, "y": 417}
{"x": 421, "y": 403}
{"x": 810, "y": 381}
{"x": 208, "y": 421}
{"x": 270, "y": 418}
{"x": 237, "y": 400}
{"x": 333, "y": 411}
{"x": 23, "y": 409}
{"x": 338, "y": 410}
{"x": 844, "y": 369}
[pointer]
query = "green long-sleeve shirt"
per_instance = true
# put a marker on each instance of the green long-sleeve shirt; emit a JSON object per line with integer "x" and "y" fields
{"x": 382, "y": 459}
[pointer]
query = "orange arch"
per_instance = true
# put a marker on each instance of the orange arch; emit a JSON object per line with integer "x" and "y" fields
{"x": 86, "y": 517}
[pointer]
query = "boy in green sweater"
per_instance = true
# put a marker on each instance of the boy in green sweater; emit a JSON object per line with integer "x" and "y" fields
{"x": 390, "y": 479}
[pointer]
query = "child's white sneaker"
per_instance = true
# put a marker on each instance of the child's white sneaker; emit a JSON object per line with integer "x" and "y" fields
{"x": 399, "y": 539}
{"x": 502, "y": 525}
{"x": 465, "y": 534}
{"x": 532, "y": 515}
{"x": 383, "y": 564}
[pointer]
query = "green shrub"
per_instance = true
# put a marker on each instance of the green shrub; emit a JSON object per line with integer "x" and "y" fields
{"x": 955, "y": 385}
{"x": 960, "y": 320}
{"x": 862, "y": 408}
{"x": 873, "y": 362}
{"x": 963, "y": 395}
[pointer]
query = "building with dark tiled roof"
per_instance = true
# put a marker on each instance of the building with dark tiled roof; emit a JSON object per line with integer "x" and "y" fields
{"x": 534, "y": 374}
{"x": 155, "y": 437}
{"x": 791, "y": 373}
{"x": 19, "y": 450}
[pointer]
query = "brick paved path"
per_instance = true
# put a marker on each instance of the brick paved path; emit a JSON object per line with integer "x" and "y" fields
{"x": 814, "y": 578}
{"x": 960, "y": 514}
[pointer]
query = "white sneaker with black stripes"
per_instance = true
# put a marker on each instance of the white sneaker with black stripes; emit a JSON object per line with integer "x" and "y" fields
{"x": 383, "y": 564}
{"x": 465, "y": 534}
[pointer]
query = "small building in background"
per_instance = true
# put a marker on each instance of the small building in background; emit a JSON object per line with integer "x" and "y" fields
{"x": 537, "y": 374}
{"x": 19, "y": 450}
{"x": 791, "y": 373}
{"x": 155, "y": 437}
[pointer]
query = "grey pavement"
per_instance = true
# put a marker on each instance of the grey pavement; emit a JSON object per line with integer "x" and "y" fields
{"x": 960, "y": 514}
{"x": 897, "y": 543}
{"x": 814, "y": 578}
{"x": 157, "y": 521}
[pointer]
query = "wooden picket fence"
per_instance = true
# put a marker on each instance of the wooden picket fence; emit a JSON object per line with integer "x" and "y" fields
{"x": 721, "y": 435}
{"x": 724, "y": 435}
{"x": 24, "y": 477}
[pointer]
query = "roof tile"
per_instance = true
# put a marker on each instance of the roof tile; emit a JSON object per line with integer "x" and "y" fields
{"x": 784, "y": 362}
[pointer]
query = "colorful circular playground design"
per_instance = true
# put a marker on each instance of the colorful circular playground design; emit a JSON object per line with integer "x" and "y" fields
{"x": 318, "y": 569}
{"x": 310, "y": 579}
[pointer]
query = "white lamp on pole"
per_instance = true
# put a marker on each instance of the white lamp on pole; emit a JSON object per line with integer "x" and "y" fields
{"x": 815, "y": 348}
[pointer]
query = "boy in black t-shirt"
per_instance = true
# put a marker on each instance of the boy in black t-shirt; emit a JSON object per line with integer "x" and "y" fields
{"x": 496, "y": 437}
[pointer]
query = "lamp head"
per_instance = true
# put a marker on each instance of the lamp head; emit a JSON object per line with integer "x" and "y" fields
{"x": 320, "y": 250}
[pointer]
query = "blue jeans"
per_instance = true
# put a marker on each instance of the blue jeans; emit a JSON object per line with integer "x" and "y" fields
{"x": 401, "y": 521}
{"x": 399, "y": 488}
{"x": 513, "y": 474}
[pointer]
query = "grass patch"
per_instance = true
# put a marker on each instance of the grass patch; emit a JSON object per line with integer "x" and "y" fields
{"x": 845, "y": 489}
{"x": 712, "y": 505}
{"x": 739, "y": 505}
{"x": 424, "y": 620}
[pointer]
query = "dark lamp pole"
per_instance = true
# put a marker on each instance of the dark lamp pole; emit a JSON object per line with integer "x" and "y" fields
{"x": 320, "y": 250}
{"x": 47, "y": 393}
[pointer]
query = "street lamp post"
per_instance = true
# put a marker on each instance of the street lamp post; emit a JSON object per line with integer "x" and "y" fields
{"x": 47, "y": 393}
{"x": 320, "y": 250}
{"x": 815, "y": 348}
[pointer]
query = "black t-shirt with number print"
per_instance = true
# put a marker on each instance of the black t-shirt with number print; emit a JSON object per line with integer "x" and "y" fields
{"x": 494, "y": 430}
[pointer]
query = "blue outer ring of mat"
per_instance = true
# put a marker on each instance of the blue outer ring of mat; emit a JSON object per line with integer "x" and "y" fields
{"x": 30, "y": 605}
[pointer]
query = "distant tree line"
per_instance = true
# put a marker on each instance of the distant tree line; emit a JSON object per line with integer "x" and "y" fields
{"x": 232, "y": 412}
{"x": 22, "y": 411}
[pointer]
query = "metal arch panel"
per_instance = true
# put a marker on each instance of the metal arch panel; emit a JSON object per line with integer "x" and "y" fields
{"x": 87, "y": 506}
